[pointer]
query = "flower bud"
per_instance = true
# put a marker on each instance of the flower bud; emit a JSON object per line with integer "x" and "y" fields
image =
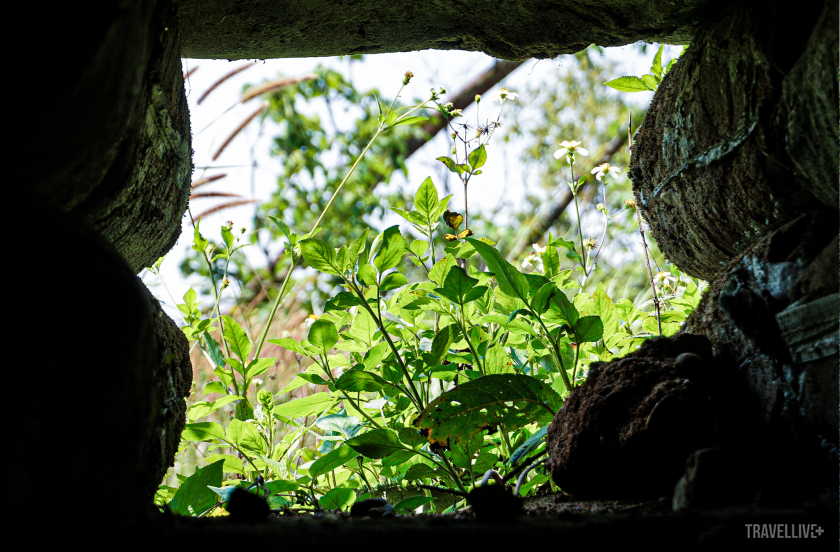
{"x": 407, "y": 78}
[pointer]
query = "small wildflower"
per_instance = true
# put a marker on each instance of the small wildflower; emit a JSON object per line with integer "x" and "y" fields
{"x": 286, "y": 333}
{"x": 605, "y": 169}
{"x": 442, "y": 90}
{"x": 570, "y": 149}
{"x": 456, "y": 112}
{"x": 630, "y": 203}
{"x": 601, "y": 208}
{"x": 477, "y": 98}
{"x": 257, "y": 381}
{"x": 229, "y": 224}
{"x": 310, "y": 320}
{"x": 225, "y": 283}
{"x": 407, "y": 78}
{"x": 453, "y": 151}
{"x": 539, "y": 250}
{"x": 590, "y": 243}
{"x": 505, "y": 94}
{"x": 534, "y": 262}
{"x": 453, "y": 135}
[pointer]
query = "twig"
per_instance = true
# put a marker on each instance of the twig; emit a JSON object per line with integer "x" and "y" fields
{"x": 238, "y": 129}
{"x": 223, "y": 79}
{"x": 642, "y": 232}
{"x": 207, "y": 180}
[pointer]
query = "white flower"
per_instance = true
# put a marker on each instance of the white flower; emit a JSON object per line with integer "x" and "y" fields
{"x": 257, "y": 381}
{"x": 605, "y": 169}
{"x": 310, "y": 320}
{"x": 570, "y": 148}
{"x": 505, "y": 94}
{"x": 539, "y": 250}
{"x": 534, "y": 262}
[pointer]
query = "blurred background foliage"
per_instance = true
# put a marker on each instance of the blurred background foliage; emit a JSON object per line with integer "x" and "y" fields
{"x": 314, "y": 152}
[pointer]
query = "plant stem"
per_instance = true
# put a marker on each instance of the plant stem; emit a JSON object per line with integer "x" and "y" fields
{"x": 642, "y": 232}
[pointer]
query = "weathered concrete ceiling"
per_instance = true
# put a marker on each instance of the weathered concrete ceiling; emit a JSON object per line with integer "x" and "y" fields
{"x": 507, "y": 29}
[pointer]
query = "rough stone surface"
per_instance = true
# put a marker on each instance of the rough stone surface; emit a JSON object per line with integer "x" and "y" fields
{"x": 87, "y": 355}
{"x": 508, "y": 29}
{"x": 779, "y": 414}
{"x": 119, "y": 156}
{"x": 171, "y": 381}
{"x": 709, "y": 165}
{"x": 713, "y": 478}
{"x": 809, "y": 96}
{"x": 628, "y": 429}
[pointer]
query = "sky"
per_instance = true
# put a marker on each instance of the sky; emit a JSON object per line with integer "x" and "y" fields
{"x": 220, "y": 113}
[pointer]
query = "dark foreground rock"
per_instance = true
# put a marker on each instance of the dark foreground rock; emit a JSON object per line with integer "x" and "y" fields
{"x": 100, "y": 378}
{"x": 773, "y": 318}
{"x": 628, "y": 429}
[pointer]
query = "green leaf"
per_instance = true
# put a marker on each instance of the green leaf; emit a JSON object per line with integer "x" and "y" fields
{"x": 539, "y": 303}
{"x": 193, "y": 496}
{"x": 323, "y": 335}
{"x": 391, "y": 281}
{"x": 337, "y": 499}
{"x": 475, "y": 293}
{"x": 439, "y": 272}
{"x": 392, "y": 249}
{"x": 200, "y": 409}
{"x": 342, "y": 301}
{"x": 237, "y": 339}
{"x": 561, "y": 305}
{"x": 367, "y": 275}
{"x": 450, "y": 164}
{"x": 628, "y": 84}
{"x": 391, "y": 118}
{"x": 497, "y": 361}
{"x": 456, "y": 285}
{"x": 358, "y": 246}
{"x": 245, "y": 436}
{"x": 282, "y": 226}
{"x": 418, "y": 247}
{"x": 232, "y": 464}
{"x": 259, "y": 366}
{"x": 606, "y": 311}
{"x": 510, "y": 281}
{"x": 656, "y": 67}
{"x": 215, "y": 387}
{"x": 398, "y": 458}
{"x": 203, "y": 431}
{"x": 363, "y": 328}
{"x": 199, "y": 243}
{"x": 331, "y": 461}
{"x": 478, "y": 157}
{"x": 359, "y": 381}
{"x": 411, "y": 216}
{"x": 214, "y": 351}
{"x": 410, "y": 121}
{"x": 319, "y": 255}
{"x": 422, "y": 471}
{"x": 409, "y": 505}
{"x": 411, "y": 437}
{"x": 650, "y": 82}
{"x": 227, "y": 236}
{"x": 377, "y": 443}
{"x": 528, "y": 446}
{"x": 426, "y": 200}
{"x": 289, "y": 344}
{"x": 511, "y": 399}
{"x": 304, "y": 406}
{"x": 589, "y": 329}
{"x": 551, "y": 262}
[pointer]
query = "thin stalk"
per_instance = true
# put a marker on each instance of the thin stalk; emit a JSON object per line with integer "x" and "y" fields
{"x": 414, "y": 396}
{"x": 642, "y": 233}
{"x": 452, "y": 472}
{"x": 346, "y": 396}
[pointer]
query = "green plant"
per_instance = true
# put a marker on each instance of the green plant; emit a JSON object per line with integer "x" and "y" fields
{"x": 649, "y": 82}
{"x": 436, "y": 381}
